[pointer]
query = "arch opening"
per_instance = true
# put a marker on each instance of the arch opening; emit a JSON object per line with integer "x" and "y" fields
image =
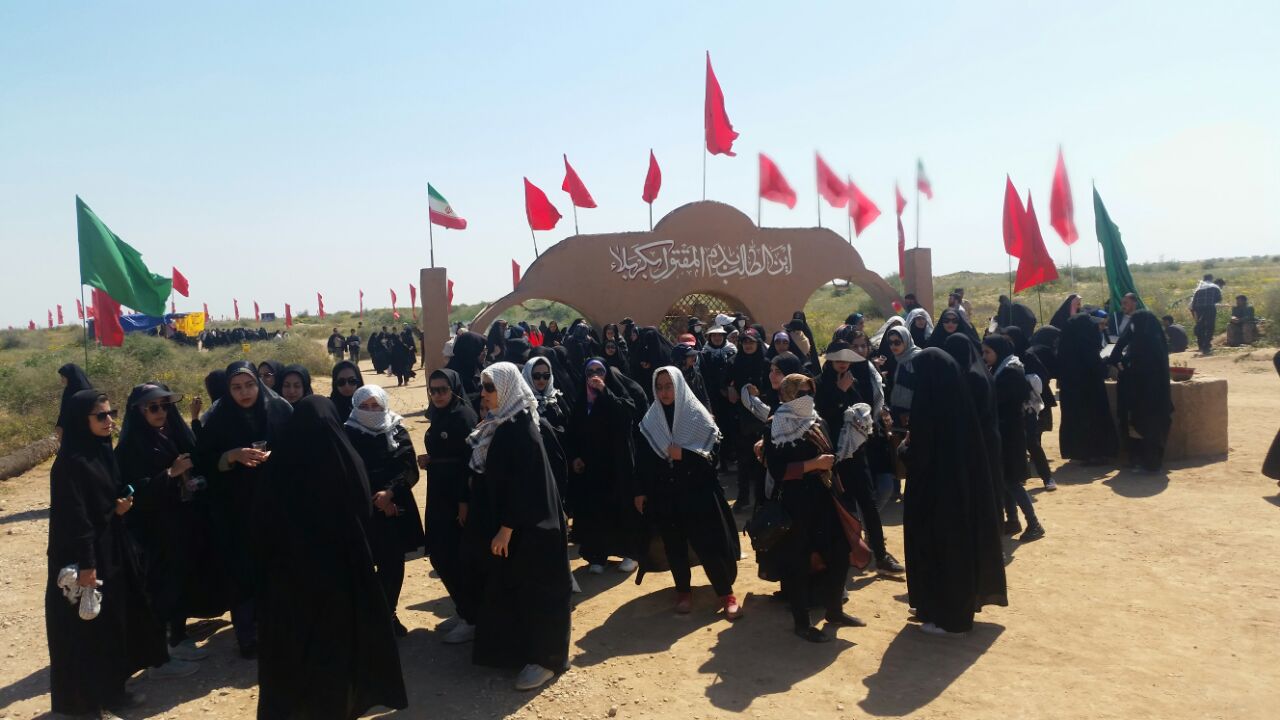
{"x": 704, "y": 305}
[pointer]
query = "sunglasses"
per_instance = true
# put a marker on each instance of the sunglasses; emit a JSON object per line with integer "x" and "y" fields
{"x": 266, "y": 373}
{"x": 950, "y": 321}
{"x": 102, "y": 416}
{"x": 340, "y": 382}
{"x": 489, "y": 387}
{"x": 541, "y": 376}
{"x": 440, "y": 390}
{"x": 157, "y": 407}
{"x": 595, "y": 372}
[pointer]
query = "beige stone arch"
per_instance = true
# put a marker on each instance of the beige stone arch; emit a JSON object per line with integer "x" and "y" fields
{"x": 706, "y": 247}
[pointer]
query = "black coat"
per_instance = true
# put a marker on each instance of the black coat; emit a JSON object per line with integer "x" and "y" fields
{"x": 1011, "y": 395}
{"x": 1143, "y": 399}
{"x": 395, "y": 471}
{"x": 1087, "y": 429}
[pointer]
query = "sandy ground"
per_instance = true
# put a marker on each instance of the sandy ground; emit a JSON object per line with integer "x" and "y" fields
{"x": 1152, "y": 596}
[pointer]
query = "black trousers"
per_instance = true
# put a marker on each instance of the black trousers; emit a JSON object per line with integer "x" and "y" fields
{"x": 676, "y": 543}
{"x": 1035, "y": 449}
{"x": 859, "y": 488}
{"x": 750, "y": 471}
{"x": 1206, "y": 320}
{"x": 390, "y": 568}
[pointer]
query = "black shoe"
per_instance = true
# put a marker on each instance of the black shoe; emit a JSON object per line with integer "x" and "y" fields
{"x": 1012, "y": 527}
{"x": 1034, "y": 532}
{"x": 844, "y": 619}
{"x": 126, "y": 701}
{"x": 889, "y": 565}
{"x": 812, "y": 634}
{"x": 398, "y": 627}
{"x": 249, "y": 650}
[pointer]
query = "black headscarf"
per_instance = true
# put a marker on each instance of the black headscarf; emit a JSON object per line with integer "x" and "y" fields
{"x": 76, "y": 381}
{"x": 1063, "y": 313}
{"x": 494, "y": 342}
{"x": 466, "y": 360}
{"x": 748, "y": 368}
{"x": 517, "y": 351}
{"x": 230, "y": 425}
{"x": 940, "y": 334}
{"x": 1001, "y": 345}
{"x": 619, "y": 357}
{"x": 787, "y": 363}
{"x": 137, "y": 435}
{"x": 277, "y": 369}
{"x": 302, "y": 373}
{"x": 341, "y": 402}
{"x": 215, "y": 383}
{"x": 457, "y": 406}
{"x": 801, "y": 323}
{"x": 653, "y": 348}
{"x": 77, "y": 438}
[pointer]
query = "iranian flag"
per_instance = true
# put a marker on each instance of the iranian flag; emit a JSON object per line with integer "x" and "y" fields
{"x": 442, "y": 212}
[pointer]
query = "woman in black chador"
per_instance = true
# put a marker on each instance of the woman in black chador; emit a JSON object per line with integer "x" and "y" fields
{"x": 1142, "y": 392}
{"x": 677, "y": 488}
{"x": 747, "y": 374}
{"x": 327, "y": 645}
{"x": 73, "y": 381}
{"x": 1087, "y": 433}
{"x": 515, "y": 537}
{"x": 468, "y": 360}
{"x": 171, "y": 518}
{"x": 1271, "y": 465}
{"x": 232, "y": 453}
{"x": 90, "y": 660}
{"x": 392, "y": 467}
{"x": 1012, "y": 395}
{"x": 346, "y": 380}
{"x": 955, "y": 564}
{"x": 813, "y": 558}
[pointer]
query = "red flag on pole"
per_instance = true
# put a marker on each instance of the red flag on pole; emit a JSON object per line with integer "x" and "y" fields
{"x": 830, "y": 186}
{"x": 1035, "y": 266}
{"x": 413, "y": 300}
{"x": 922, "y": 180}
{"x": 573, "y": 185}
{"x": 288, "y": 315}
{"x": 1015, "y": 220}
{"x": 1061, "y": 209}
{"x": 106, "y": 321}
{"x": 59, "y": 314}
{"x": 79, "y": 309}
{"x": 31, "y": 324}
{"x": 720, "y": 133}
{"x": 902, "y": 202}
{"x": 902, "y": 251}
{"x": 320, "y": 305}
{"x": 541, "y": 213}
{"x": 773, "y": 186}
{"x": 180, "y": 284}
{"x": 449, "y": 299}
{"x": 206, "y": 312}
{"x": 257, "y": 316}
{"x": 362, "y": 305}
{"x": 861, "y": 209}
{"x": 515, "y": 274}
{"x": 394, "y": 312}
{"x": 50, "y": 319}
{"x": 652, "y": 180}
{"x": 236, "y": 305}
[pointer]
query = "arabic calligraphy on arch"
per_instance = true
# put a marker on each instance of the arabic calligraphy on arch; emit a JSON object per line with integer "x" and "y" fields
{"x": 663, "y": 259}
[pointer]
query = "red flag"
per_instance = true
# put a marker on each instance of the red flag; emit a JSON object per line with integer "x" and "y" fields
{"x": 413, "y": 300}
{"x": 773, "y": 186}
{"x": 449, "y": 299}
{"x": 572, "y": 184}
{"x": 394, "y": 312}
{"x": 320, "y": 305}
{"x": 1061, "y": 210}
{"x": 861, "y": 209}
{"x": 902, "y": 251}
{"x": 541, "y": 213}
{"x": 652, "y": 180}
{"x": 50, "y": 319}
{"x": 206, "y": 312}
{"x": 902, "y": 202}
{"x": 830, "y": 186}
{"x": 1035, "y": 266}
{"x": 1015, "y": 220}
{"x": 59, "y": 314}
{"x": 257, "y": 316}
{"x": 922, "y": 180}
{"x": 288, "y": 315}
{"x": 79, "y": 309}
{"x": 720, "y": 133}
{"x": 31, "y": 324}
{"x": 515, "y": 274}
{"x": 236, "y": 304}
{"x": 393, "y": 304}
{"x": 180, "y": 284}
{"x": 106, "y": 322}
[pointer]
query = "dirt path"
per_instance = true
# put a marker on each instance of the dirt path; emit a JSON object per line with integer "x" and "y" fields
{"x": 1150, "y": 597}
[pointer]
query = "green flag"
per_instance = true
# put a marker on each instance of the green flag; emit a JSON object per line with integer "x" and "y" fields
{"x": 111, "y": 265}
{"x": 1119, "y": 279}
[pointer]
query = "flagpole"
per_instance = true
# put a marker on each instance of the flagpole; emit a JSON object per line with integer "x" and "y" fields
{"x": 650, "y": 217}
{"x": 574, "y": 205}
{"x": 1101, "y": 263}
{"x": 917, "y": 208}
{"x": 84, "y": 323}
{"x": 535, "y": 242}
{"x": 704, "y": 165}
{"x": 431, "y": 240}
{"x": 1071, "y": 265}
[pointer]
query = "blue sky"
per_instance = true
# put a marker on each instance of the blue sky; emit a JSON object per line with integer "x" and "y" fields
{"x": 274, "y": 151}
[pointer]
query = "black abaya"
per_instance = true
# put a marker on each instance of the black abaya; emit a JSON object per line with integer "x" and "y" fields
{"x": 1271, "y": 465}
{"x": 1142, "y": 393}
{"x": 1087, "y": 431}
{"x": 76, "y": 381}
{"x": 447, "y": 478}
{"x": 955, "y": 564}
{"x": 327, "y": 647}
{"x": 90, "y": 660}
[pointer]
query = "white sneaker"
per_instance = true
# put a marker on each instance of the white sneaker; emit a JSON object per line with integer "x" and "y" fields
{"x": 463, "y": 632}
{"x": 595, "y": 569}
{"x": 627, "y": 565}
{"x": 187, "y": 650}
{"x": 173, "y": 669}
{"x": 931, "y": 629}
{"x": 533, "y": 676}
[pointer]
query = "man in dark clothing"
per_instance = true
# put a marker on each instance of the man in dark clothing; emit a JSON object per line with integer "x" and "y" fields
{"x": 909, "y": 302}
{"x": 337, "y": 345}
{"x": 1176, "y": 334}
{"x": 1243, "y": 326}
{"x": 1204, "y": 308}
{"x": 353, "y": 346}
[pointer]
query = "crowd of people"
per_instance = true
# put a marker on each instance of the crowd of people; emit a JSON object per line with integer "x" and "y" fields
{"x": 294, "y": 511}
{"x": 392, "y": 353}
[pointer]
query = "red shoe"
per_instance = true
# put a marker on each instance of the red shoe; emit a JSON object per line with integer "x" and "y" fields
{"x": 732, "y": 610}
{"x": 684, "y": 602}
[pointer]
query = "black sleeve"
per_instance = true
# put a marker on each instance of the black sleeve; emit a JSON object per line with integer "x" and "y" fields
{"x": 405, "y": 459}
{"x": 69, "y": 514}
